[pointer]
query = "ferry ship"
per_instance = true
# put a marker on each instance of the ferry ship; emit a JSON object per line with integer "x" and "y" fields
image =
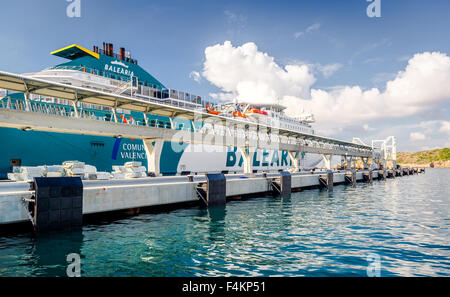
{"x": 118, "y": 73}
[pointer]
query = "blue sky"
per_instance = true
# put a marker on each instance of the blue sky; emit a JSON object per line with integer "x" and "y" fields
{"x": 169, "y": 40}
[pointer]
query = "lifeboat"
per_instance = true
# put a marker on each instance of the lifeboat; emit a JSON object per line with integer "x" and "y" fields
{"x": 210, "y": 110}
{"x": 237, "y": 114}
{"x": 257, "y": 111}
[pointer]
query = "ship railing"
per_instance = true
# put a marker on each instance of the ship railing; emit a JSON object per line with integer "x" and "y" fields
{"x": 83, "y": 113}
{"x": 207, "y": 128}
{"x": 85, "y": 69}
{"x": 151, "y": 93}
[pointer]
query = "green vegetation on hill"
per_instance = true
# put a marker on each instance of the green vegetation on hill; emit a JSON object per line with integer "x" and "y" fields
{"x": 444, "y": 154}
{"x": 440, "y": 156}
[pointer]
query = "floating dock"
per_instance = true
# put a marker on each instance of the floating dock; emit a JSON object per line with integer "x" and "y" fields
{"x": 60, "y": 202}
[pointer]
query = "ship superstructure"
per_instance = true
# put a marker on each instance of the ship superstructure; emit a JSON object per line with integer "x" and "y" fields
{"x": 118, "y": 73}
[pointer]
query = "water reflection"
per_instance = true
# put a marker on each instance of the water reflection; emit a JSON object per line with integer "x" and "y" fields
{"x": 216, "y": 224}
{"x": 315, "y": 233}
{"x": 49, "y": 251}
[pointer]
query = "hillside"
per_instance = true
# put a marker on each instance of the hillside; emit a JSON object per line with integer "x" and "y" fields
{"x": 439, "y": 157}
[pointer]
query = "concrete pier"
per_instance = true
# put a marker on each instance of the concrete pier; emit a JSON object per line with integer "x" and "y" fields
{"x": 122, "y": 195}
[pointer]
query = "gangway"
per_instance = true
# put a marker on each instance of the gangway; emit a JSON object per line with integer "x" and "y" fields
{"x": 217, "y": 130}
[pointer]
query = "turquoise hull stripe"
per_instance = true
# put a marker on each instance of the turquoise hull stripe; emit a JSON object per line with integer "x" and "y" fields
{"x": 35, "y": 148}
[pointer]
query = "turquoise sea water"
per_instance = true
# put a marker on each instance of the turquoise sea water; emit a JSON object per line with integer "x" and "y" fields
{"x": 403, "y": 221}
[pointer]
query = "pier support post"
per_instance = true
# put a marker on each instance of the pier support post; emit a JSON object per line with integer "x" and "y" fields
{"x": 367, "y": 176}
{"x": 153, "y": 149}
{"x": 58, "y": 203}
{"x": 145, "y": 119}
{"x": 75, "y": 106}
{"x": 327, "y": 180}
{"x": 349, "y": 161}
{"x": 247, "y": 155}
{"x": 327, "y": 159}
{"x": 285, "y": 183}
{"x": 282, "y": 185}
{"x": 295, "y": 158}
{"x": 114, "y": 115}
{"x": 390, "y": 173}
{"x": 216, "y": 193}
{"x": 350, "y": 177}
{"x": 27, "y": 101}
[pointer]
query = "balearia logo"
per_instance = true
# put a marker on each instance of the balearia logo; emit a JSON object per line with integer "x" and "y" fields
{"x": 261, "y": 158}
{"x": 119, "y": 63}
{"x": 119, "y": 70}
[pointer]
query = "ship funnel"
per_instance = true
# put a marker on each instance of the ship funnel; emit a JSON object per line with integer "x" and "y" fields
{"x": 122, "y": 53}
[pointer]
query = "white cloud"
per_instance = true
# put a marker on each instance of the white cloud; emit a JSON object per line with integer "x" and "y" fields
{"x": 254, "y": 76}
{"x": 326, "y": 70}
{"x": 195, "y": 75}
{"x": 422, "y": 86}
{"x": 329, "y": 69}
{"x": 417, "y": 136}
{"x": 445, "y": 128}
{"x": 313, "y": 27}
